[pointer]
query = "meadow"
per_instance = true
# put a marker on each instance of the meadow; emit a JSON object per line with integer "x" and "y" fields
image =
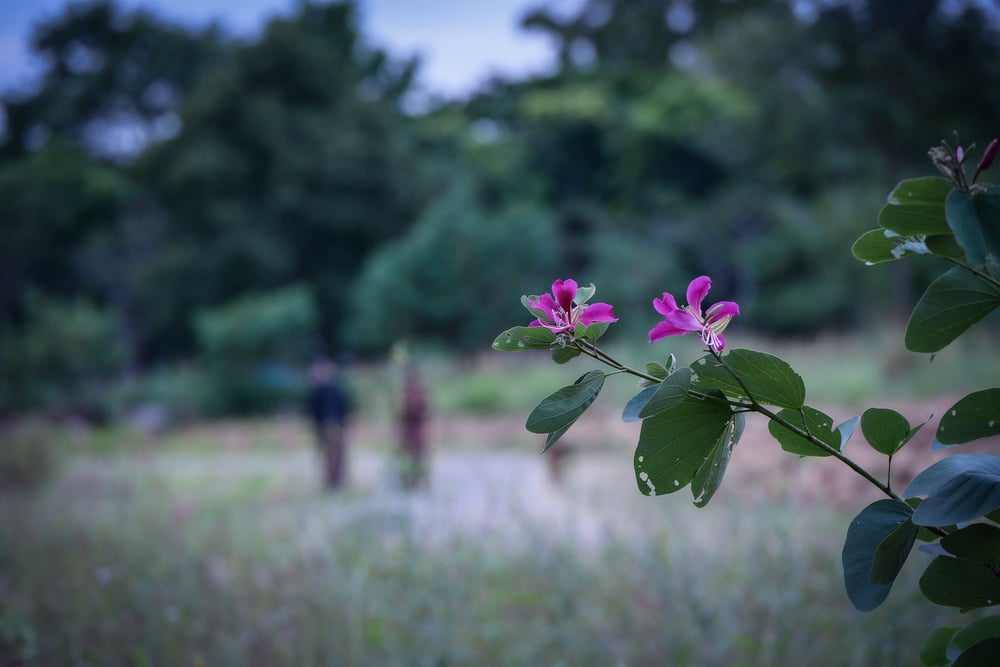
{"x": 214, "y": 544}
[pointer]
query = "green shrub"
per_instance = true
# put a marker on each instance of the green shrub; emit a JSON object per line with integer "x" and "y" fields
{"x": 251, "y": 346}
{"x": 60, "y": 356}
{"x": 439, "y": 282}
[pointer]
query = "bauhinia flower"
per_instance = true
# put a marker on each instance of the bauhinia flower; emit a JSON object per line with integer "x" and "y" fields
{"x": 562, "y": 313}
{"x": 678, "y": 321}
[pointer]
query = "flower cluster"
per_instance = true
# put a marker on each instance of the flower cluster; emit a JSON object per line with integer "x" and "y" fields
{"x": 561, "y": 311}
{"x": 678, "y": 321}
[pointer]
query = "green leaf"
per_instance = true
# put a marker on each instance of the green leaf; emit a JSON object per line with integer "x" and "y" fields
{"x": 517, "y": 339}
{"x": 817, "y": 423}
{"x": 886, "y": 430}
{"x": 708, "y": 478}
{"x": 657, "y": 370}
{"x": 933, "y": 653}
{"x": 846, "y": 430}
{"x": 561, "y": 355}
{"x": 874, "y": 247}
{"x": 959, "y": 489}
{"x": 892, "y": 553}
{"x": 553, "y": 437}
{"x": 916, "y": 206}
{"x": 669, "y": 393}
{"x": 980, "y": 654}
{"x": 770, "y": 380}
{"x": 675, "y": 443}
{"x": 972, "y": 633}
{"x": 951, "y": 304}
{"x": 868, "y": 530}
{"x": 637, "y": 403}
{"x": 585, "y": 294}
{"x": 559, "y": 410}
{"x": 974, "y": 416}
{"x": 988, "y": 208}
{"x": 944, "y": 245}
{"x": 953, "y": 582}
{"x": 593, "y": 331}
{"x": 974, "y": 218}
{"x": 978, "y": 542}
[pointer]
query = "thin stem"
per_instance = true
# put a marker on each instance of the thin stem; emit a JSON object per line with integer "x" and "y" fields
{"x": 979, "y": 273}
{"x": 833, "y": 451}
{"x": 590, "y": 349}
{"x": 805, "y": 434}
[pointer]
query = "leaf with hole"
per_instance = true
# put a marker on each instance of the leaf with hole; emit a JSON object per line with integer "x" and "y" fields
{"x": 708, "y": 478}
{"x": 953, "y": 582}
{"x": 974, "y": 416}
{"x": 518, "y": 339}
{"x": 674, "y": 444}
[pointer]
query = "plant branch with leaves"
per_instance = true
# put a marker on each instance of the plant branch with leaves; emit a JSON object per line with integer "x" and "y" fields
{"x": 692, "y": 417}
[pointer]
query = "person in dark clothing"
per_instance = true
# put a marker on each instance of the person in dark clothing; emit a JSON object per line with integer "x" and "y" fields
{"x": 330, "y": 407}
{"x": 413, "y": 442}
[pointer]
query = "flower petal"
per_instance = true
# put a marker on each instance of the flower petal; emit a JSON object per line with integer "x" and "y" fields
{"x": 722, "y": 309}
{"x": 564, "y": 292}
{"x": 664, "y": 329}
{"x": 545, "y": 302}
{"x": 697, "y": 291}
{"x": 597, "y": 312}
{"x": 666, "y": 305}
{"x": 684, "y": 321}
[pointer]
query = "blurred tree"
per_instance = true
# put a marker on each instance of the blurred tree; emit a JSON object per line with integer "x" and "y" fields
{"x": 294, "y": 162}
{"x": 436, "y": 281}
{"x": 75, "y": 221}
{"x": 251, "y": 345}
{"x": 50, "y": 201}
{"x": 159, "y": 170}
{"x": 59, "y": 357}
{"x": 893, "y": 70}
{"x": 113, "y": 81}
{"x": 707, "y": 126}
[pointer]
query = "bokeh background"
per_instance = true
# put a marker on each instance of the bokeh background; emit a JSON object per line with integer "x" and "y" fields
{"x": 197, "y": 201}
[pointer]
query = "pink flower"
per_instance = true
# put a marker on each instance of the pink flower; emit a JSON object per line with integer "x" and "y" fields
{"x": 679, "y": 321}
{"x": 562, "y": 314}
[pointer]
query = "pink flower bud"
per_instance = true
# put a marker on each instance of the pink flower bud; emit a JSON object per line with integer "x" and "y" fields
{"x": 988, "y": 157}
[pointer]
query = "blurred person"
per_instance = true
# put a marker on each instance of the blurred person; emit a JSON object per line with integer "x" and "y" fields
{"x": 412, "y": 436}
{"x": 329, "y": 406}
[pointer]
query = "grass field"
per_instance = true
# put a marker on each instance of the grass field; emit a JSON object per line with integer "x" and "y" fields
{"x": 215, "y": 545}
{"x": 178, "y": 554}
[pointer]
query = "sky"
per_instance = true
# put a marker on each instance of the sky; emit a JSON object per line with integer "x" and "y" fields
{"x": 460, "y": 42}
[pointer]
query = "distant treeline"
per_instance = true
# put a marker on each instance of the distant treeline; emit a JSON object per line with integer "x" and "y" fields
{"x": 170, "y": 194}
